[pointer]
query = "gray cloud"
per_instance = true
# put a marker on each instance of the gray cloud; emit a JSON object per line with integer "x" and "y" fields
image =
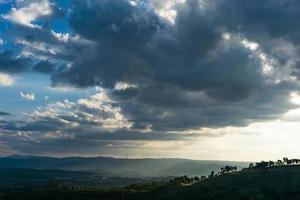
{"x": 222, "y": 63}
{"x": 27, "y": 96}
{"x": 188, "y": 75}
{"x": 44, "y": 67}
{"x": 2, "y": 113}
{"x": 272, "y": 24}
{"x": 255, "y": 17}
{"x": 10, "y": 64}
{"x": 120, "y": 36}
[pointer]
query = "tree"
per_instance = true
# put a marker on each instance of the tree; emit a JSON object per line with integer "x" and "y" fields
{"x": 271, "y": 163}
{"x": 279, "y": 162}
{"x": 212, "y": 174}
{"x": 228, "y": 169}
{"x": 262, "y": 164}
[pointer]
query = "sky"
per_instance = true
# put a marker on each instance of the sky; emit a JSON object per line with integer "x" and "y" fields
{"x": 197, "y": 79}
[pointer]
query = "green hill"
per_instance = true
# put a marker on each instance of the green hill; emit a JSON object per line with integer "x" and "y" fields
{"x": 276, "y": 183}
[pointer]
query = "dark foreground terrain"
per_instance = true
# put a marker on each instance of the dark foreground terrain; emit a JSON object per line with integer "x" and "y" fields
{"x": 255, "y": 183}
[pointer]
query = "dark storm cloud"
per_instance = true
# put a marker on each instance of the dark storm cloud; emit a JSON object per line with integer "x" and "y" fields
{"x": 4, "y": 113}
{"x": 44, "y": 67}
{"x": 87, "y": 132}
{"x": 98, "y": 134}
{"x": 119, "y": 37}
{"x": 228, "y": 74}
{"x": 57, "y": 146}
{"x": 145, "y": 46}
{"x": 276, "y": 18}
{"x": 126, "y": 93}
{"x": 178, "y": 110}
{"x": 44, "y": 44}
{"x": 180, "y": 76}
{"x": 187, "y": 74}
{"x": 273, "y": 24}
{"x": 10, "y": 64}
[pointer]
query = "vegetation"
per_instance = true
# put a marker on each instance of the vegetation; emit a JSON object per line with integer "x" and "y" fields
{"x": 284, "y": 162}
{"x": 270, "y": 180}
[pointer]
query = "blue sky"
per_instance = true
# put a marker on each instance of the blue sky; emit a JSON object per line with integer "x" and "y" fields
{"x": 31, "y": 82}
{"x": 147, "y": 78}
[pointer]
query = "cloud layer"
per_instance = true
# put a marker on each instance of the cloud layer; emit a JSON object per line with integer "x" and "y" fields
{"x": 163, "y": 68}
{"x": 6, "y": 80}
{"x": 27, "y": 96}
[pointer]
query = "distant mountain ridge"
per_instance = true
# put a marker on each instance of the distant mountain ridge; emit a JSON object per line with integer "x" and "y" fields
{"x": 148, "y": 167}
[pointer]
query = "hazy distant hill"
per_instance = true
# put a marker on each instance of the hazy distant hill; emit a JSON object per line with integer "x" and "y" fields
{"x": 35, "y": 178}
{"x": 120, "y": 167}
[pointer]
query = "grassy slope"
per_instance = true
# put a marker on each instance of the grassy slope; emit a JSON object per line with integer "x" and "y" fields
{"x": 278, "y": 183}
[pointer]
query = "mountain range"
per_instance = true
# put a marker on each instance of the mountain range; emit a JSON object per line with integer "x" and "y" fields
{"x": 148, "y": 167}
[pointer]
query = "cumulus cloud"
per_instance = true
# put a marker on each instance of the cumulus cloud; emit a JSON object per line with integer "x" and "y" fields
{"x": 97, "y": 110}
{"x": 95, "y": 119}
{"x": 189, "y": 62}
{"x": 29, "y": 12}
{"x": 166, "y": 9}
{"x": 187, "y": 74}
{"x": 28, "y": 96}
{"x": 6, "y": 80}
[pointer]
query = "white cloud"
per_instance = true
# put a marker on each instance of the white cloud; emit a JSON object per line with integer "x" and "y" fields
{"x": 37, "y": 49}
{"x": 29, "y": 13}
{"x": 6, "y": 80}
{"x": 28, "y": 96}
{"x": 133, "y": 3}
{"x": 1, "y": 42}
{"x": 97, "y": 110}
{"x": 63, "y": 37}
{"x": 124, "y": 86}
{"x": 166, "y": 9}
{"x": 42, "y": 50}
